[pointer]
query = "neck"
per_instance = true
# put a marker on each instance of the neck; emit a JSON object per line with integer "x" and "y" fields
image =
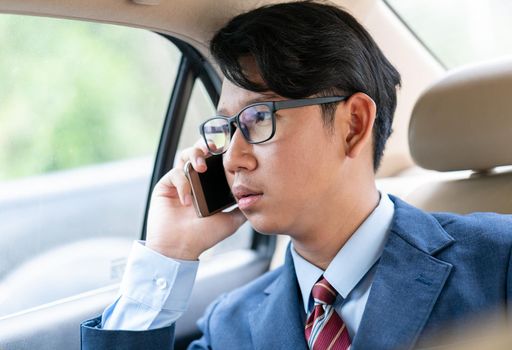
{"x": 321, "y": 241}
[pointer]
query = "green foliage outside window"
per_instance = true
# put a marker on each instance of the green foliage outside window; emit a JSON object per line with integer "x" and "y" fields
{"x": 78, "y": 93}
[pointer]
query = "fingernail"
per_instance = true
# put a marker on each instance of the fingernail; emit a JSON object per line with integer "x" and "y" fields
{"x": 201, "y": 162}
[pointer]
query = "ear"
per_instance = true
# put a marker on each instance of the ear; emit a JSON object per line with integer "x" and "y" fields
{"x": 360, "y": 111}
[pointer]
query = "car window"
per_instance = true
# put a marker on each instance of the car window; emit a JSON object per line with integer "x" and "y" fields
{"x": 81, "y": 111}
{"x": 464, "y": 31}
{"x": 199, "y": 109}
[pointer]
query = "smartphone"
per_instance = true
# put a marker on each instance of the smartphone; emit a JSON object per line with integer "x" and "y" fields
{"x": 210, "y": 190}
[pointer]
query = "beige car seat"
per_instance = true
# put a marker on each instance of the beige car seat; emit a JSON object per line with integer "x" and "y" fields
{"x": 464, "y": 122}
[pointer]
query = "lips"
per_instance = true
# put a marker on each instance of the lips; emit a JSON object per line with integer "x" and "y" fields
{"x": 240, "y": 191}
{"x": 245, "y": 196}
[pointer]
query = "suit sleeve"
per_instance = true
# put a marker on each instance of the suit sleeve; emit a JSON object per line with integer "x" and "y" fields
{"x": 94, "y": 338}
{"x": 509, "y": 286}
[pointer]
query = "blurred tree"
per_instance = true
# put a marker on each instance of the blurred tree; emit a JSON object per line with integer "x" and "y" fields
{"x": 77, "y": 93}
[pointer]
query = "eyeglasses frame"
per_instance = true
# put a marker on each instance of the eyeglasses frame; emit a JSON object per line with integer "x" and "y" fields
{"x": 273, "y": 106}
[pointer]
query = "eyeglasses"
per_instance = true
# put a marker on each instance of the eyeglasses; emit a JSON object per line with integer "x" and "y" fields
{"x": 257, "y": 122}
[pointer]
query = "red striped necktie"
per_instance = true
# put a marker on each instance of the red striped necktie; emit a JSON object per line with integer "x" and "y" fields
{"x": 325, "y": 330}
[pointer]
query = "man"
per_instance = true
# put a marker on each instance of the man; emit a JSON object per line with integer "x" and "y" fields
{"x": 364, "y": 269}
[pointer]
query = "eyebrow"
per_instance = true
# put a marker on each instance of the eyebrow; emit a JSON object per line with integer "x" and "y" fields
{"x": 264, "y": 98}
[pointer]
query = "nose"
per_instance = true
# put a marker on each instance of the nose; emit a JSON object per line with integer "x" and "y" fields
{"x": 239, "y": 156}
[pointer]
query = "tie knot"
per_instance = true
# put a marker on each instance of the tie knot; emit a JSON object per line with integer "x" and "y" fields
{"x": 323, "y": 292}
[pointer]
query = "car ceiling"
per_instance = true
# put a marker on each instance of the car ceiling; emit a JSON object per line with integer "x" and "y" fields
{"x": 195, "y": 21}
{"x": 189, "y": 20}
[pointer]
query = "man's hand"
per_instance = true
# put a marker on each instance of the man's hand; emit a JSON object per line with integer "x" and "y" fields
{"x": 174, "y": 229}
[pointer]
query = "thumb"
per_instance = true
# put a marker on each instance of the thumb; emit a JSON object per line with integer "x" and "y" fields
{"x": 231, "y": 221}
{"x": 237, "y": 217}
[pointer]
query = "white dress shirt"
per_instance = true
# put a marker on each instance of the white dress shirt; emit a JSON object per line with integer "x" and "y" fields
{"x": 154, "y": 292}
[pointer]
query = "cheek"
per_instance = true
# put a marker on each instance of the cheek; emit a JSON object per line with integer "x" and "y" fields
{"x": 230, "y": 178}
{"x": 313, "y": 172}
{"x": 292, "y": 174}
{"x": 298, "y": 163}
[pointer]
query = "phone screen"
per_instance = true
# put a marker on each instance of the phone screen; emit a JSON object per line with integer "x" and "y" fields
{"x": 215, "y": 186}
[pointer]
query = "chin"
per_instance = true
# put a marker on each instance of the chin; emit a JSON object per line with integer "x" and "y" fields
{"x": 264, "y": 224}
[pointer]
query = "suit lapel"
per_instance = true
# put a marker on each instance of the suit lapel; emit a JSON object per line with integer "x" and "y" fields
{"x": 407, "y": 282}
{"x": 278, "y": 321}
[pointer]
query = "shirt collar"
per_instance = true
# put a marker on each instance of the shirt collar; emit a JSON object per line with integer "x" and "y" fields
{"x": 354, "y": 259}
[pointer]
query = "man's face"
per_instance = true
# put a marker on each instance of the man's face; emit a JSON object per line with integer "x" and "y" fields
{"x": 291, "y": 178}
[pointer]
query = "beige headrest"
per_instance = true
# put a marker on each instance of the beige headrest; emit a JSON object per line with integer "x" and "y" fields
{"x": 464, "y": 121}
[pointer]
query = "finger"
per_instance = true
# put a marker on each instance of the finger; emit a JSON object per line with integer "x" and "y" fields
{"x": 180, "y": 182}
{"x": 237, "y": 216}
{"x": 230, "y": 221}
{"x": 202, "y": 146}
{"x": 196, "y": 156}
{"x": 211, "y": 148}
{"x": 174, "y": 184}
{"x": 199, "y": 144}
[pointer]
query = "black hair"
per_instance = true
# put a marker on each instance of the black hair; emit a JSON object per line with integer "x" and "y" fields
{"x": 308, "y": 48}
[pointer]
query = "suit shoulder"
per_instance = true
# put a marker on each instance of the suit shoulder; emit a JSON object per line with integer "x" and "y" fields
{"x": 478, "y": 227}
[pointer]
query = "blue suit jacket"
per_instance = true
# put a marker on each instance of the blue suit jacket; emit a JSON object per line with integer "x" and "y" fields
{"x": 435, "y": 268}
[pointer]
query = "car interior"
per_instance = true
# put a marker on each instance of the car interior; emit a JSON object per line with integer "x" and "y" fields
{"x": 460, "y": 124}
{"x": 449, "y": 151}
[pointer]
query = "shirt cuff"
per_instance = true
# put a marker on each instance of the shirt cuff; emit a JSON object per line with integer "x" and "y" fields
{"x": 157, "y": 281}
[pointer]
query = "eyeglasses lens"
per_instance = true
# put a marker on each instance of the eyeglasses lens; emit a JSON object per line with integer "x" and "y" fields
{"x": 256, "y": 123}
{"x": 216, "y": 134}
